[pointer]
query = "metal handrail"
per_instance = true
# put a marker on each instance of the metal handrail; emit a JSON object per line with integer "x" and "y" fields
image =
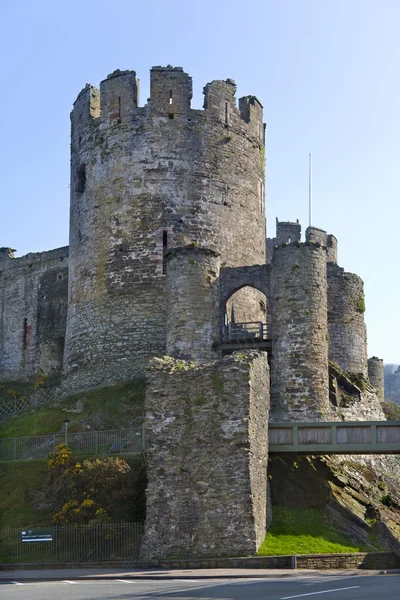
{"x": 244, "y": 331}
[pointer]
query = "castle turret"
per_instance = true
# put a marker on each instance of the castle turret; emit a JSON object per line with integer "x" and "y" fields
{"x": 376, "y": 374}
{"x": 299, "y": 375}
{"x": 347, "y": 331}
{"x": 145, "y": 180}
{"x": 192, "y": 298}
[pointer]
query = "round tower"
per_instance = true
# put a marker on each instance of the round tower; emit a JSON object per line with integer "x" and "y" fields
{"x": 376, "y": 374}
{"x": 299, "y": 370}
{"x": 192, "y": 300}
{"x": 347, "y": 331}
{"x": 145, "y": 180}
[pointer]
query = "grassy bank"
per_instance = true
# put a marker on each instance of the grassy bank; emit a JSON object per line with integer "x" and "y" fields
{"x": 111, "y": 407}
{"x": 303, "y": 531}
{"x": 18, "y": 481}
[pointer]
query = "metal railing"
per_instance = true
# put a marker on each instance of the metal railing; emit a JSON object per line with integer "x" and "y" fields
{"x": 118, "y": 441}
{"x": 72, "y": 543}
{"x": 252, "y": 330}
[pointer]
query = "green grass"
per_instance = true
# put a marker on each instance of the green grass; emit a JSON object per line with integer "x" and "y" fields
{"x": 107, "y": 408}
{"x": 44, "y": 421}
{"x": 303, "y": 531}
{"x": 18, "y": 480}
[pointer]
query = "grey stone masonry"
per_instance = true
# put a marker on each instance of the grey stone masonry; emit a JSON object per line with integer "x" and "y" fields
{"x": 145, "y": 180}
{"x": 376, "y": 376}
{"x": 33, "y": 309}
{"x": 207, "y": 440}
{"x": 299, "y": 371}
{"x": 192, "y": 298}
{"x": 347, "y": 331}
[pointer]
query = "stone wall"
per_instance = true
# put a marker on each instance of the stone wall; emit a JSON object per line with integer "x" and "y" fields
{"x": 207, "y": 456}
{"x": 376, "y": 376}
{"x": 347, "y": 331}
{"x": 144, "y": 180}
{"x": 33, "y": 306}
{"x": 299, "y": 371}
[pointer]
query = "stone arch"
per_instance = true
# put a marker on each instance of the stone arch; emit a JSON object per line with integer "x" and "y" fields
{"x": 244, "y": 291}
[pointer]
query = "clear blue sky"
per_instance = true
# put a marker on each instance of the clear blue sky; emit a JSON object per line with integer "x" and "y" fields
{"x": 326, "y": 71}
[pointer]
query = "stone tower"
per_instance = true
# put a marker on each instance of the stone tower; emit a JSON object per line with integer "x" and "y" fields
{"x": 145, "y": 180}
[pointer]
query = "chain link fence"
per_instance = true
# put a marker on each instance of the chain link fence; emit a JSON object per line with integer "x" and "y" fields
{"x": 46, "y": 395}
{"x": 72, "y": 543}
{"x": 118, "y": 441}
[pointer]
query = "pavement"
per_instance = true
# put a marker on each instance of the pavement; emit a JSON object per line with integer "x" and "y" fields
{"x": 165, "y": 574}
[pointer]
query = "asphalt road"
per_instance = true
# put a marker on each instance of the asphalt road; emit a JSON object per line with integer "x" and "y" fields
{"x": 385, "y": 587}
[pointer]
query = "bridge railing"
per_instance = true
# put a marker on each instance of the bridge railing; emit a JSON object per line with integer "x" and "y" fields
{"x": 251, "y": 330}
{"x": 351, "y": 437}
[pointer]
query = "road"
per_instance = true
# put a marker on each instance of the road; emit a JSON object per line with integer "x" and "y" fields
{"x": 384, "y": 587}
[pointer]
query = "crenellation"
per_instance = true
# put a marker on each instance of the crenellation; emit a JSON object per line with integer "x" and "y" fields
{"x": 86, "y": 110}
{"x": 119, "y": 96}
{"x": 332, "y": 249}
{"x": 170, "y": 91}
{"x": 314, "y": 234}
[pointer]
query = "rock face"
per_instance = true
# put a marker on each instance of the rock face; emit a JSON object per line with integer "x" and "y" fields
{"x": 359, "y": 495}
{"x": 207, "y": 457}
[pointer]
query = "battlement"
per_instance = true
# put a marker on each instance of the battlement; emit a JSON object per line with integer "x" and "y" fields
{"x": 288, "y": 232}
{"x": 9, "y": 261}
{"x": 171, "y": 92}
{"x": 119, "y": 94}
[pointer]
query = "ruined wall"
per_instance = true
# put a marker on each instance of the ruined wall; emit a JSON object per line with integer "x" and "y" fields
{"x": 376, "y": 376}
{"x": 299, "y": 370}
{"x": 192, "y": 300}
{"x": 206, "y": 457}
{"x": 33, "y": 306}
{"x": 347, "y": 331}
{"x": 144, "y": 180}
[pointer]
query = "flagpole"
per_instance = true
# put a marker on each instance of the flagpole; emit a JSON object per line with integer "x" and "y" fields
{"x": 309, "y": 189}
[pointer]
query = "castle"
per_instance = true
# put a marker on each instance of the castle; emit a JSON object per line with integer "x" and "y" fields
{"x": 168, "y": 256}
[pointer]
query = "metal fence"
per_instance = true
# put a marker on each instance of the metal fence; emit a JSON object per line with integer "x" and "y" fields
{"x": 17, "y": 405}
{"x": 44, "y": 396}
{"x": 119, "y": 441}
{"x": 73, "y": 543}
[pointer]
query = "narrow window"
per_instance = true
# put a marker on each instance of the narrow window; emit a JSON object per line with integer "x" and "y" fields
{"x": 119, "y": 110}
{"x": 170, "y": 96}
{"x": 165, "y": 248}
{"x": 171, "y": 115}
{"x": 80, "y": 183}
{"x": 59, "y": 277}
{"x": 26, "y": 334}
{"x": 226, "y": 113}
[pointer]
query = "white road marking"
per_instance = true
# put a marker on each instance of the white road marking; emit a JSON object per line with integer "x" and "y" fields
{"x": 125, "y": 580}
{"x": 66, "y": 581}
{"x": 17, "y": 583}
{"x": 353, "y": 587}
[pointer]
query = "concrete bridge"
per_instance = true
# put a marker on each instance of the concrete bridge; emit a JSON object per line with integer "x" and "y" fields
{"x": 351, "y": 437}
